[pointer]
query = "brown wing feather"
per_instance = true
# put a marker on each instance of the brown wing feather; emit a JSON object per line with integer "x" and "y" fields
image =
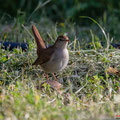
{"x": 44, "y": 56}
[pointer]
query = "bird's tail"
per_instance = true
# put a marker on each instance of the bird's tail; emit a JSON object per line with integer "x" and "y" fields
{"x": 39, "y": 40}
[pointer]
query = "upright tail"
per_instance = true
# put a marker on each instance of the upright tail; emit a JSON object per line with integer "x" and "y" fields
{"x": 39, "y": 40}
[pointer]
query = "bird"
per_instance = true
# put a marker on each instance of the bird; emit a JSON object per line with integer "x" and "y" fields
{"x": 54, "y": 58}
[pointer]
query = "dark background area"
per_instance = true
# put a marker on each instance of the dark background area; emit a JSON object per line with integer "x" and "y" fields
{"x": 106, "y": 12}
{"x": 59, "y": 10}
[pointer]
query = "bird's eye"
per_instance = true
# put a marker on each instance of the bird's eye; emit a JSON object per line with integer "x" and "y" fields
{"x": 61, "y": 39}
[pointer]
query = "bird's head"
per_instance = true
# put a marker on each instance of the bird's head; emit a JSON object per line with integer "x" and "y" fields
{"x": 62, "y": 41}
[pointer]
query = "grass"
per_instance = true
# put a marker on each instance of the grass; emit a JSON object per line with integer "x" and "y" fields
{"x": 93, "y": 93}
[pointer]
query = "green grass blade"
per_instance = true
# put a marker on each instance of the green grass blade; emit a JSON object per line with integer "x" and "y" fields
{"x": 103, "y": 31}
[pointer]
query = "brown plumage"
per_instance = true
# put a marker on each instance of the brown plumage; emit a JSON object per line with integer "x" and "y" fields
{"x": 43, "y": 57}
{"x": 39, "y": 40}
{"x": 53, "y": 58}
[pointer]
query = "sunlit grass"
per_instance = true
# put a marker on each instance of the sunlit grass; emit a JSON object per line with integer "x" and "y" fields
{"x": 93, "y": 93}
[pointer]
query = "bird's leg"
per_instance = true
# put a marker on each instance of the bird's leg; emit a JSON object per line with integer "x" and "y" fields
{"x": 47, "y": 76}
{"x": 54, "y": 76}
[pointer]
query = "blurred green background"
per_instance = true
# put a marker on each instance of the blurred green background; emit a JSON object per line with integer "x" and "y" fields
{"x": 59, "y": 10}
{"x": 106, "y": 12}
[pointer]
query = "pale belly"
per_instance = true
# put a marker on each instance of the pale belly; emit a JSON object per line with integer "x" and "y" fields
{"x": 57, "y": 62}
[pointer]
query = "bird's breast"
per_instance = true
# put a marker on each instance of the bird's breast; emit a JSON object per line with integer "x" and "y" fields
{"x": 58, "y": 61}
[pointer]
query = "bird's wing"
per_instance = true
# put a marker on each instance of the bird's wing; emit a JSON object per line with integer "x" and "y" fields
{"x": 44, "y": 56}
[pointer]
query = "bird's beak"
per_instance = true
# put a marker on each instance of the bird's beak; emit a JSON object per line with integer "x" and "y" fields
{"x": 67, "y": 40}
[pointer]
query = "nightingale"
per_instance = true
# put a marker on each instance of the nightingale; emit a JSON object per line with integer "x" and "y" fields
{"x": 54, "y": 58}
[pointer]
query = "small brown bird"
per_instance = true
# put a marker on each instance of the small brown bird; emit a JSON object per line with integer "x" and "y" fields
{"x": 54, "y": 58}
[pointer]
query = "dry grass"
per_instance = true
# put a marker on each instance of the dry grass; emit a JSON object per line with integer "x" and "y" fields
{"x": 93, "y": 93}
